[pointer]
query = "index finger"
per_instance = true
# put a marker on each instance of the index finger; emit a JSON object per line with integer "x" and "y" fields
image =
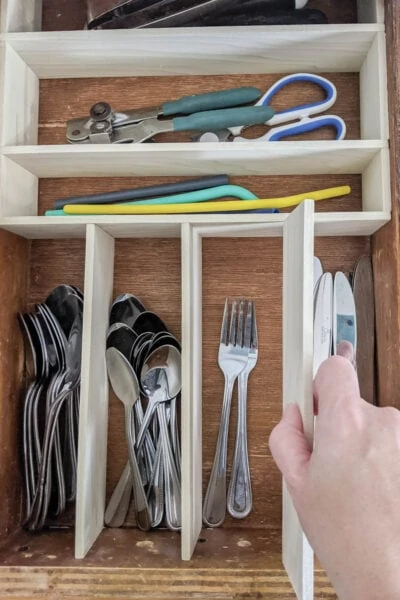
{"x": 335, "y": 384}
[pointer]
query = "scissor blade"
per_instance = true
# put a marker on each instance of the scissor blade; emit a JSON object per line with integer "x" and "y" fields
{"x": 323, "y": 321}
{"x": 344, "y": 313}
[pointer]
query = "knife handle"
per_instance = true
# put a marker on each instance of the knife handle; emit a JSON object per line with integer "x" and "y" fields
{"x": 211, "y": 101}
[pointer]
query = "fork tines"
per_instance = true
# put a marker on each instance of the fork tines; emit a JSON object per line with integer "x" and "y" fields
{"x": 242, "y": 327}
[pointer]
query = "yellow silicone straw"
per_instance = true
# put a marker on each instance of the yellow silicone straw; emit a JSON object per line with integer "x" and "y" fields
{"x": 204, "y": 207}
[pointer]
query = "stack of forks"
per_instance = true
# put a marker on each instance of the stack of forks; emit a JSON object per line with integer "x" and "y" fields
{"x": 237, "y": 357}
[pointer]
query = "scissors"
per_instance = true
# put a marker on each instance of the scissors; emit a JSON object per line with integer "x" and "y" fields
{"x": 297, "y": 120}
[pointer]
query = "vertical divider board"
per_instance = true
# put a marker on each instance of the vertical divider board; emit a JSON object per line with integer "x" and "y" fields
{"x": 298, "y": 252}
{"x": 191, "y": 421}
{"x": 373, "y": 92}
{"x": 20, "y": 101}
{"x": 92, "y": 445}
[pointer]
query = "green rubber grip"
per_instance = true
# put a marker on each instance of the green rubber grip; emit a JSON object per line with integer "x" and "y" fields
{"x": 213, "y": 120}
{"x": 211, "y": 101}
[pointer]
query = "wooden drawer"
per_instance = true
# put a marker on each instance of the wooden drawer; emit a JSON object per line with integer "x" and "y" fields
{"x": 183, "y": 267}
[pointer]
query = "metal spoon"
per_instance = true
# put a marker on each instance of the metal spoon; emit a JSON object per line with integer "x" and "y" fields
{"x": 160, "y": 380}
{"x": 125, "y": 309}
{"x": 126, "y": 387}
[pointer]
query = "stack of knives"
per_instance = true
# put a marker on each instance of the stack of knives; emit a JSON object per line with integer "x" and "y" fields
{"x": 137, "y": 14}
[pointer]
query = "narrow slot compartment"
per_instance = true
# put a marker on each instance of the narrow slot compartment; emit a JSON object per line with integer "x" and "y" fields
{"x": 53, "y": 16}
{"x": 148, "y": 268}
{"x": 25, "y": 199}
{"x": 36, "y": 268}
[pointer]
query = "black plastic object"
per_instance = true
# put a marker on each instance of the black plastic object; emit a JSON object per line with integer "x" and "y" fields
{"x": 177, "y": 13}
{"x": 288, "y": 17}
{"x": 164, "y": 189}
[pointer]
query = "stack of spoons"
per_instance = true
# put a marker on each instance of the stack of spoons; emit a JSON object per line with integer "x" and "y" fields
{"x": 144, "y": 368}
{"x": 53, "y": 339}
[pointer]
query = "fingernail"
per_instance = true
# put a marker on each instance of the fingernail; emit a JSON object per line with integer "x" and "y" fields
{"x": 346, "y": 350}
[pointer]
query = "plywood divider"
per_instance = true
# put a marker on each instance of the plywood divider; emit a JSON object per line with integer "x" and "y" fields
{"x": 191, "y": 391}
{"x": 373, "y": 92}
{"x": 376, "y": 184}
{"x": 195, "y": 50}
{"x": 92, "y": 447}
{"x": 298, "y": 252}
{"x": 20, "y": 101}
{"x": 18, "y": 190}
{"x": 196, "y": 159}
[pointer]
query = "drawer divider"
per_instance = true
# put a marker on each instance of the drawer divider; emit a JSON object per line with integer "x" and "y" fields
{"x": 298, "y": 252}
{"x": 191, "y": 390}
{"x": 92, "y": 445}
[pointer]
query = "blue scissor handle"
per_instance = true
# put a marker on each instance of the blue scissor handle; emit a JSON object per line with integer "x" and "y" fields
{"x": 302, "y": 109}
{"x": 309, "y": 125}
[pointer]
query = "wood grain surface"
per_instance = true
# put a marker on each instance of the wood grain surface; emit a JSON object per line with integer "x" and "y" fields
{"x": 14, "y": 261}
{"x": 386, "y": 242}
{"x": 63, "y": 99}
{"x": 61, "y": 15}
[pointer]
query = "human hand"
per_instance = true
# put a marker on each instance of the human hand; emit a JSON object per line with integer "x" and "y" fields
{"x": 347, "y": 489}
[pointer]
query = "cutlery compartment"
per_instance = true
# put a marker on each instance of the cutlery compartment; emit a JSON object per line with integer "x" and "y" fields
{"x": 49, "y": 15}
{"x": 31, "y": 269}
{"x": 44, "y": 89}
{"x": 26, "y": 197}
{"x": 233, "y": 264}
{"x": 149, "y": 269}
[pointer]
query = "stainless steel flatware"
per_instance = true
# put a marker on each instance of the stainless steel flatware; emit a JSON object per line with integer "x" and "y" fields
{"x": 240, "y": 500}
{"x": 126, "y": 387}
{"x": 232, "y": 360}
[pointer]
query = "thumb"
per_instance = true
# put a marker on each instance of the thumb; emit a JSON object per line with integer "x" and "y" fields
{"x": 289, "y": 447}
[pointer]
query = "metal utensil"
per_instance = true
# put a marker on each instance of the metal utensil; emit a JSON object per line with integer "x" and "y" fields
{"x": 239, "y": 500}
{"x": 232, "y": 359}
{"x": 126, "y": 387}
{"x": 160, "y": 380}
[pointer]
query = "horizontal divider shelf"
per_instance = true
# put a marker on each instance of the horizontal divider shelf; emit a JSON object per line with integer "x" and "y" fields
{"x": 240, "y": 158}
{"x": 194, "y": 51}
{"x": 166, "y": 226}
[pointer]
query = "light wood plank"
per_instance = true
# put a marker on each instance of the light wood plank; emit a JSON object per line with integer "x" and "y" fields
{"x": 352, "y": 224}
{"x": 92, "y": 448}
{"x": 376, "y": 184}
{"x": 247, "y": 158}
{"x": 18, "y": 190}
{"x": 191, "y": 391}
{"x": 373, "y": 92}
{"x": 195, "y": 51}
{"x": 19, "y": 101}
{"x": 327, "y": 224}
{"x": 20, "y": 16}
{"x": 298, "y": 252}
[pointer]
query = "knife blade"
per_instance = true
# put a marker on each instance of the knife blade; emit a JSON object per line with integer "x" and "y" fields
{"x": 344, "y": 313}
{"x": 323, "y": 321}
{"x": 318, "y": 272}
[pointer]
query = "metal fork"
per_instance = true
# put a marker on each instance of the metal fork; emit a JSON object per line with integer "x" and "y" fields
{"x": 232, "y": 359}
{"x": 240, "y": 500}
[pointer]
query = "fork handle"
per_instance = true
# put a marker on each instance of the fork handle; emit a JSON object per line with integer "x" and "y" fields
{"x": 214, "y": 508}
{"x": 240, "y": 500}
